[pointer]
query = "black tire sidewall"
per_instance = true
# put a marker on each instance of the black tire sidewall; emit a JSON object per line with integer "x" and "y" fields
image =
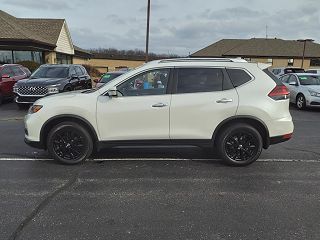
{"x": 231, "y": 130}
{"x": 77, "y": 127}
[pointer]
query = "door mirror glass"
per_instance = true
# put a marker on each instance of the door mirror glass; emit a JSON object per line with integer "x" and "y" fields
{"x": 74, "y": 76}
{"x": 5, "y": 76}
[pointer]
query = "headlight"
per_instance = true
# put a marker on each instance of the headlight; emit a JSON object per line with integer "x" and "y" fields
{"x": 314, "y": 94}
{"x": 34, "y": 109}
{"x": 53, "y": 89}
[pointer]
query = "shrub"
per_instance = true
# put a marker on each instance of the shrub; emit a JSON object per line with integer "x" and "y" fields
{"x": 32, "y": 66}
{"x": 92, "y": 71}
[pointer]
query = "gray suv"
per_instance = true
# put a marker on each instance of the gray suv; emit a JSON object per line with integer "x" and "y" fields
{"x": 50, "y": 79}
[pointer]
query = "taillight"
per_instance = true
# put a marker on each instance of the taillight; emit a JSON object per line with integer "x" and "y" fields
{"x": 280, "y": 92}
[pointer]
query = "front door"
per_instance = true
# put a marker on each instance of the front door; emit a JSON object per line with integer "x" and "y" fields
{"x": 140, "y": 112}
{"x": 7, "y": 81}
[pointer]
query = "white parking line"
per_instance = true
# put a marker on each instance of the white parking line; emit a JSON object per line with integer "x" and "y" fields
{"x": 161, "y": 159}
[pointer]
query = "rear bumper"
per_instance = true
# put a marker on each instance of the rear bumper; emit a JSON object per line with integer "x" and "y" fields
{"x": 280, "y": 139}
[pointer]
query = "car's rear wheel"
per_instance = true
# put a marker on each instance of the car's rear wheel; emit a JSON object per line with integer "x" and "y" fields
{"x": 239, "y": 144}
{"x": 69, "y": 143}
{"x": 301, "y": 102}
{"x": 67, "y": 88}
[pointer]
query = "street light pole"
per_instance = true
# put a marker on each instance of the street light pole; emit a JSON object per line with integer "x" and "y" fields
{"x": 304, "y": 48}
{"x": 147, "y": 37}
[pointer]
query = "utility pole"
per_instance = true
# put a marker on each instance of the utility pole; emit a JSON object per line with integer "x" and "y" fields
{"x": 148, "y": 26}
{"x": 304, "y": 48}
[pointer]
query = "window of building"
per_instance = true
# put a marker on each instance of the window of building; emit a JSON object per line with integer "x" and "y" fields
{"x": 270, "y": 60}
{"x": 193, "y": 80}
{"x": 64, "y": 58}
{"x": 290, "y": 62}
{"x": 5, "y": 57}
{"x": 33, "y": 56}
{"x": 315, "y": 62}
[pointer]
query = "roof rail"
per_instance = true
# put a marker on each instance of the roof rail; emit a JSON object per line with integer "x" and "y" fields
{"x": 202, "y": 60}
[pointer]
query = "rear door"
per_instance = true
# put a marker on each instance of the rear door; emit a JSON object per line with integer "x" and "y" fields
{"x": 203, "y": 98}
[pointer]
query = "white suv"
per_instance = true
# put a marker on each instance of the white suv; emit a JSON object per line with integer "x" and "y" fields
{"x": 230, "y": 105}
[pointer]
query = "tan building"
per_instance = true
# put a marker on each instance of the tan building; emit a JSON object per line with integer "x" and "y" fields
{"x": 37, "y": 40}
{"x": 278, "y": 52}
{"x": 104, "y": 63}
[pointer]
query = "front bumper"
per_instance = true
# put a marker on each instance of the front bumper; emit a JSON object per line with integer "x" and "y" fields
{"x": 313, "y": 101}
{"x": 33, "y": 144}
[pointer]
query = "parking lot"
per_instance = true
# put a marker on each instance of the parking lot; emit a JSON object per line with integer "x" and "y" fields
{"x": 160, "y": 194}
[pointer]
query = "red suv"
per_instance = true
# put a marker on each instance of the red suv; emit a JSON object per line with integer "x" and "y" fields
{"x": 9, "y": 75}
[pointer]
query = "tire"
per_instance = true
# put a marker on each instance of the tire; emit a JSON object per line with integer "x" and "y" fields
{"x": 69, "y": 143}
{"x": 301, "y": 102}
{"x": 239, "y": 144}
{"x": 67, "y": 88}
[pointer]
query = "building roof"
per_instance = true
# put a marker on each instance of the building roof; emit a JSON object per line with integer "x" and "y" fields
{"x": 259, "y": 47}
{"x": 45, "y": 31}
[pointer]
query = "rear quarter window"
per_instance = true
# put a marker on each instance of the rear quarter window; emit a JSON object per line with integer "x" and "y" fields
{"x": 273, "y": 77}
{"x": 238, "y": 77}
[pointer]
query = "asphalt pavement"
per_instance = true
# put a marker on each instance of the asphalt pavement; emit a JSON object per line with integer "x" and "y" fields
{"x": 166, "y": 193}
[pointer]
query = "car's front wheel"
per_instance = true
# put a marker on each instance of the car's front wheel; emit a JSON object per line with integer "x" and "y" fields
{"x": 239, "y": 144}
{"x": 69, "y": 143}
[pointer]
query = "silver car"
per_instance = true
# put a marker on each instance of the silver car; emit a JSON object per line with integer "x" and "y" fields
{"x": 304, "y": 89}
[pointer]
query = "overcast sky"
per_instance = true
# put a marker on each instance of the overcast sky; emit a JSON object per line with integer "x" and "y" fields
{"x": 177, "y": 26}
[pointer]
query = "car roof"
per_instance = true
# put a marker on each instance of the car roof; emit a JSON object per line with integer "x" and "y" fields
{"x": 305, "y": 74}
{"x": 60, "y": 65}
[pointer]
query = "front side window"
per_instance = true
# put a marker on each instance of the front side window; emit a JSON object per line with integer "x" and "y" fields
{"x": 78, "y": 70}
{"x": 17, "y": 71}
{"x": 193, "y": 80}
{"x": 108, "y": 77}
{"x": 154, "y": 82}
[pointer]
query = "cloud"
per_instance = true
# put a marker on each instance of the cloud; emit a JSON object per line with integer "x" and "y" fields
{"x": 40, "y": 4}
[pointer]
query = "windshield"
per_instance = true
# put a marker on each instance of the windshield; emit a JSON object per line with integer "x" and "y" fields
{"x": 51, "y": 72}
{"x": 309, "y": 80}
{"x": 108, "y": 77}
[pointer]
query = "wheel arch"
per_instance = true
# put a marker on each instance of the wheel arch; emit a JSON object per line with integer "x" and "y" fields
{"x": 252, "y": 121}
{"x": 50, "y": 123}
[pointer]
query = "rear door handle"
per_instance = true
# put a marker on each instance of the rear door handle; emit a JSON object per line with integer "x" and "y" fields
{"x": 225, "y": 100}
{"x": 159, "y": 105}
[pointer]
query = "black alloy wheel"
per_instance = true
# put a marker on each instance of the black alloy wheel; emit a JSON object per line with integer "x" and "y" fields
{"x": 239, "y": 145}
{"x": 69, "y": 143}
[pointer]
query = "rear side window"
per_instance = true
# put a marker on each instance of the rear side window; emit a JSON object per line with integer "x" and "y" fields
{"x": 273, "y": 77}
{"x": 78, "y": 70}
{"x": 84, "y": 70}
{"x": 17, "y": 71}
{"x": 193, "y": 80}
{"x": 238, "y": 76}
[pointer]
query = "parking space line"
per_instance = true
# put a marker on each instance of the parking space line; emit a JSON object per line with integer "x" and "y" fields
{"x": 161, "y": 159}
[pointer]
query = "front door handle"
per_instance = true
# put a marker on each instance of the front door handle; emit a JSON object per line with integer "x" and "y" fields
{"x": 158, "y": 105}
{"x": 225, "y": 100}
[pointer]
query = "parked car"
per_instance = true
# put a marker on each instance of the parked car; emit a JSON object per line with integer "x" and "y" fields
{"x": 304, "y": 89}
{"x": 229, "y": 105}
{"x": 50, "y": 79}
{"x": 9, "y": 75}
{"x": 278, "y": 72}
{"x": 107, "y": 77}
{"x": 316, "y": 71}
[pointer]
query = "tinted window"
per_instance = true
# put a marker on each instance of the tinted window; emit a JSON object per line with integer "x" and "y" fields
{"x": 78, "y": 70}
{"x": 192, "y": 80}
{"x": 17, "y": 71}
{"x": 309, "y": 80}
{"x": 285, "y": 79}
{"x": 108, "y": 77}
{"x": 238, "y": 76}
{"x": 83, "y": 70}
{"x": 51, "y": 72}
{"x": 149, "y": 83}
{"x": 6, "y": 71}
{"x": 72, "y": 71}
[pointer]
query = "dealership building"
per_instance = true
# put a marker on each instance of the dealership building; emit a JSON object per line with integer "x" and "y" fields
{"x": 38, "y": 40}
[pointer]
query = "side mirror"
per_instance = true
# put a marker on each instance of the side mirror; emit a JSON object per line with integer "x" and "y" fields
{"x": 293, "y": 83}
{"x": 113, "y": 92}
{"x": 5, "y": 76}
{"x": 73, "y": 76}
